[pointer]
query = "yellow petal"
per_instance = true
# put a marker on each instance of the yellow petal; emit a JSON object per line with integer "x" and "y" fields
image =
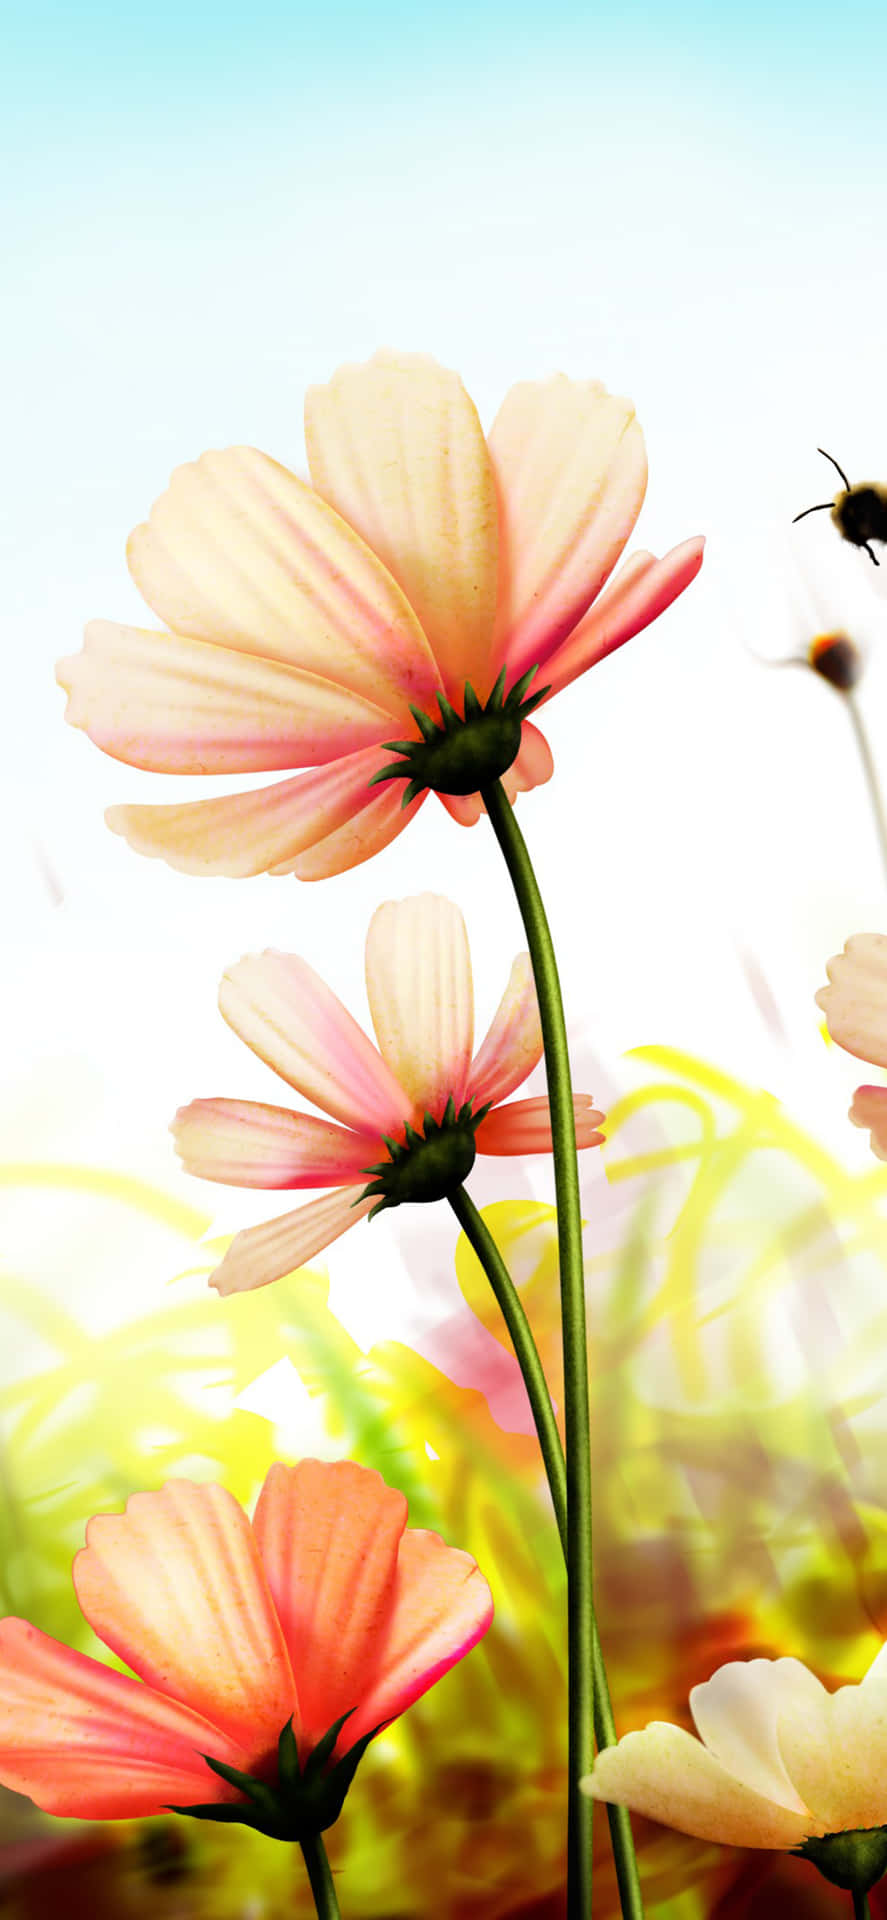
{"x": 667, "y": 1775}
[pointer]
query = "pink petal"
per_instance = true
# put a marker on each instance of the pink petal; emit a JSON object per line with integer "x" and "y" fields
{"x": 175, "y": 1587}
{"x": 855, "y": 1001}
{"x": 441, "y": 1607}
{"x": 571, "y": 470}
{"x": 397, "y": 448}
{"x": 92, "y": 1744}
{"x": 869, "y": 1109}
{"x": 240, "y": 552}
{"x": 642, "y": 590}
{"x": 418, "y": 975}
{"x": 266, "y": 830}
{"x": 246, "y": 1144}
{"x": 525, "y": 1127}
{"x": 361, "y": 836}
{"x": 279, "y": 1247}
{"x": 513, "y": 1045}
{"x": 296, "y": 1024}
{"x": 173, "y": 705}
{"x": 328, "y": 1533}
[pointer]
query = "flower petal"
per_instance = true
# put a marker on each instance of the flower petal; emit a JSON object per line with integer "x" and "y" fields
{"x": 641, "y": 590}
{"x": 298, "y": 1026}
{"x": 855, "y": 1003}
{"x": 737, "y": 1712}
{"x": 869, "y": 1109}
{"x": 572, "y": 472}
{"x": 441, "y": 1607}
{"x": 328, "y": 1534}
{"x": 525, "y": 1126}
{"x": 247, "y": 1144}
{"x": 92, "y": 1744}
{"x": 175, "y": 1587}
{"x": 362, "y": 835}
{"x": 397, "y": 448}
{"x": 279, "y": 1247}
{"x": 513, "y": 1045}
{"x": 263, "y": 831}
{"x": 418, "y": 975}
{"x": 667, "y": 1775}
{"x": 175, "y": 705}
{"x": 240, "y": 552}
{"x": 836, "y": 1752}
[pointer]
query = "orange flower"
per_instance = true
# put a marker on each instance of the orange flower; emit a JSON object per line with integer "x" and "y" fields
{"x": 326, "y": 1604}
{"x": 311, "y": 624}
{"x": 418, "y": 972}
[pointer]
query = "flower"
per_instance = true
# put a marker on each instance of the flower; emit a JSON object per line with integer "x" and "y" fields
{"x": 311, "y": 624}
{"x": 781, "y": 1761}
{"x": 855, "y": 1008}
{"x": 326, "y": 1604}
{"x": 418, "y": 973}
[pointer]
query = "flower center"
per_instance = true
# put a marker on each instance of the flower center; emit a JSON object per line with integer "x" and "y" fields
{"x": 834, "y": 656}
{"x": 429, "y": 1165}
{"x": 854, "y": 1860}
{"x": 461, "y": 753}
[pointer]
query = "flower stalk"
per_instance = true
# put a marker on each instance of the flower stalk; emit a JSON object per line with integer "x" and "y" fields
{"x": 580, "y": 1595}
{"x": 527, "y": 1355}
{"x": 320, "y": 1876}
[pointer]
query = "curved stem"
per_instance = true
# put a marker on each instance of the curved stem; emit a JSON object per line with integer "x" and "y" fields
{"x": 871, "y": 777}
{"x": 321, "y": 1878}
{"x": 520, "y": 1333}
{"x": 584, "y": 1668}
{"x": 861, "y": 1908}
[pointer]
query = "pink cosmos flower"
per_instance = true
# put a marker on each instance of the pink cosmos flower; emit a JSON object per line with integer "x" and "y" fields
{"x": 325, "y": 1602}
{"x": 306, "y": 621}
{"x": 855, "y": 1008}
{"x": 418, "y": 974}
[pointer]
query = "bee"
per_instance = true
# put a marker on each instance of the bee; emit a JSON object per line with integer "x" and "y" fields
{"x": 859, "y": 513}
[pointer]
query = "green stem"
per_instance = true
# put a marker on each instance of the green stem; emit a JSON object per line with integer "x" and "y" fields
{"x": 870, "y": 773}
{"x": 321, "y": 1878}
{"x": 520, "y": 1333}
{"x": 583, "y": 1668}
{"x": 861, "y": 1908}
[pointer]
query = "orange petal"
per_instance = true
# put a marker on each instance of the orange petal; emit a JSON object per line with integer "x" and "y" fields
{"x": 174, "y": 705}
{"x": 247, "y": 1144}
{"x": 571, "y": 471}
{"x": 278, "y": 1247}
{"x": 512, "y": 1046}
{"x": 419, "y": 986}
{"x": 524, "y": 1126}
{"x": 241, "y": 552}
{"x": 362, "y": 835}
{"x": 642, "y": 590}
{"x": 397, "y": 448}
{"x": 265, "y": 831}
{"x": 175, "y": 1586}
{"x": 298, "y": 1026}
{"x": 441, "y": 1607}
{"x": 92, "y": 1744}
{"x": 329, "y": 1534}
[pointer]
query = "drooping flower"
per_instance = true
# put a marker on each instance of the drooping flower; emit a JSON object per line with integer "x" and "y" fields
{"x": 855, "y": 1008}
{"x": 326, "y": 1604}
{"x": 780, "y": 1763}
{"x": 312, "y": 624}
{"x": 412, "y": 1114}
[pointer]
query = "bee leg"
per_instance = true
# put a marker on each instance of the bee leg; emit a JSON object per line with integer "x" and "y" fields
{"x": 872, "y": 556}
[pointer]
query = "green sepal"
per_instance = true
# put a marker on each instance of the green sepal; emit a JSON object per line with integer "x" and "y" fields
{"x": 288, "y": 1768}
{"x": 496, "y": 698}
{"x": 305, "y": 1801}
{"x": 257, "y": 1791}
{"x": 471, "y": 702}
{"x": 320, "y": 1754}
{"x": 427, "y": 727}
{"x": 224, "y": 1810}
{"x": 415, "y": 787}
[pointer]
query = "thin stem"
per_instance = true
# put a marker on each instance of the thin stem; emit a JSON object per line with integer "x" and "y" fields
{"x": 321, "y": 1878}
{"x": 520, "y": 1333}
{"x": 861, "y": 1908}
{"x": 871, "y": 777}
{"x": 584, "y": 1665}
